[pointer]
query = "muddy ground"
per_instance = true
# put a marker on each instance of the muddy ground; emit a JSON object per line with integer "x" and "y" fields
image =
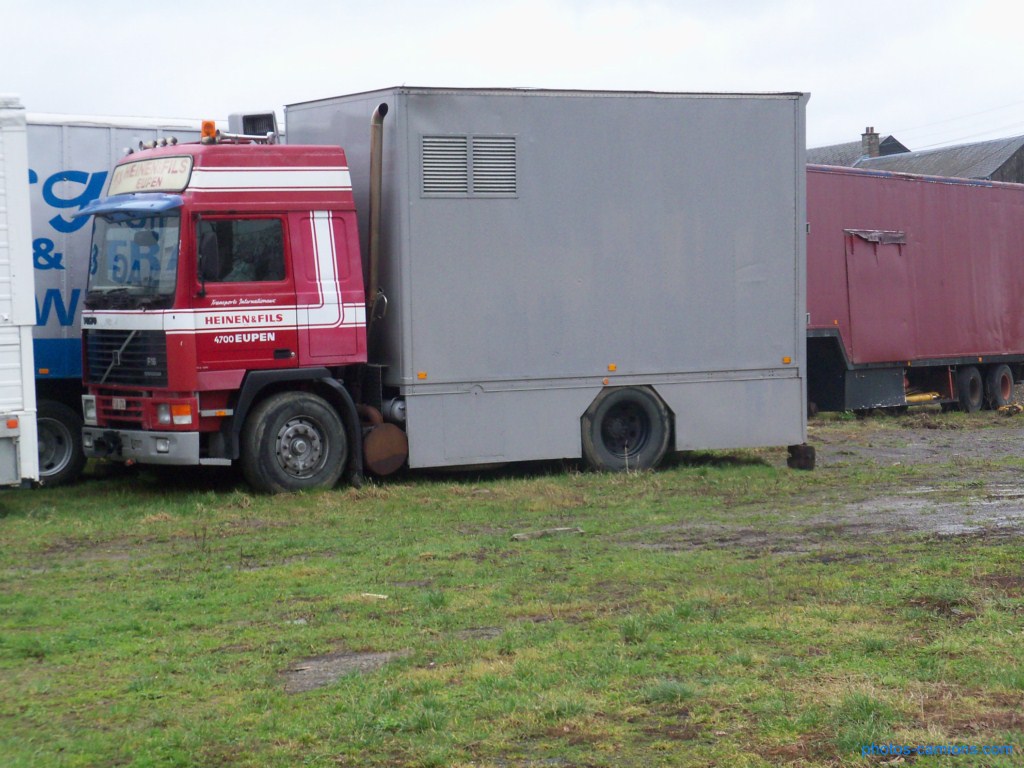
{"x": 964, "y": 477}
{"x": 978, "y": 485}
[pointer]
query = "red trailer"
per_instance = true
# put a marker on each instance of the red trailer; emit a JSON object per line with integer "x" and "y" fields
{"x": 914, "y": 286}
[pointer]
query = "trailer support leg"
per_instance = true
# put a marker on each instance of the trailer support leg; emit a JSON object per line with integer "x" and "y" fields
{"x": 801, "y": 457}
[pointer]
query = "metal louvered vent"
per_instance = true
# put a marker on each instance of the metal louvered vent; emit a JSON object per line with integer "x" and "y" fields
{"x": 494, "y": 165}
{"x": 445, "y": 165}
{"x": 469, "y": 166}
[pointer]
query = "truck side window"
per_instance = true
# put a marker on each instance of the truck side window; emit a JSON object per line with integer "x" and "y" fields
{"x": 241, "y": 250}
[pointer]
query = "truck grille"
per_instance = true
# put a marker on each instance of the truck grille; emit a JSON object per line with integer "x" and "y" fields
{"x": 126, "y": 358}
{"x": 120, "y": 409}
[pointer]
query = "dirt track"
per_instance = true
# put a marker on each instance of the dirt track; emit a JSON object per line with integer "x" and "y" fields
{"x": 980, "y": 488}
{"x": 962, "y": 479}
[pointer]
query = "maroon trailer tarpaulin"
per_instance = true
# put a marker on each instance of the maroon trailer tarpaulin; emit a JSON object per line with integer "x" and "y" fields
{"x": 911, "y": 281}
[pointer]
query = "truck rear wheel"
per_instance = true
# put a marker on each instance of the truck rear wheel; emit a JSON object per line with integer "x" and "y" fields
{"x": 61, "y": 457}
{"x": 293, "y": 441}
{"x": 970, "y": 391}
{"x": 998, "y": 386}
{"x": 625, "y": 428}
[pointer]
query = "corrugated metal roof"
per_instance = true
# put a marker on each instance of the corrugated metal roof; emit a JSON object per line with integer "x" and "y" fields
{"x": 835, "y": 154}
{"x": 849, "y": 153}
{"x": 967, "y": 161}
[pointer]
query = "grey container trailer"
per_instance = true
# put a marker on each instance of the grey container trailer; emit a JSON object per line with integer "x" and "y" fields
{"x": 543, "y": 247}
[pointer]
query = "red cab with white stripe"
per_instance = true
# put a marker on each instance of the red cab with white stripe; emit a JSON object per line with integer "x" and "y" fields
{"x": 223, "y": 274}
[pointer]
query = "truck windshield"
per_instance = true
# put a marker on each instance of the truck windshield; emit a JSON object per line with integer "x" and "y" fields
{"x": 134, "y": 262}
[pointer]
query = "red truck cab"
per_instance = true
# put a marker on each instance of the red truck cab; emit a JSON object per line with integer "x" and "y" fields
{"x": 219, "y": 274}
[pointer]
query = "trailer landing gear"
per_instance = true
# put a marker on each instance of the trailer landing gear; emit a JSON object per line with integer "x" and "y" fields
{"x": 801, "y": 457}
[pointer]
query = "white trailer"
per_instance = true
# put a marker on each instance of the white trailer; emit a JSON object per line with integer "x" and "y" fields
{"x": 18, "y": 445}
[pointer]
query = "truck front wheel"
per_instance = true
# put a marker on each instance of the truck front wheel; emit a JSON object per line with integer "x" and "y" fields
{"x": 625, "y": 428}
{"x": 61, "y": 457}
{"x": 293, "y": 441}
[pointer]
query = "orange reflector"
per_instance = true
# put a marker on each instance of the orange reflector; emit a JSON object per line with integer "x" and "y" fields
{"x": 209, "y": 129}
{"x": 612, "y": 367}
{"x": 787, "y": 360}
{"x": 12, "y": 423}
{"x": 421, "y": 375}
{"x": 43, "y": 371}
{"x": 220, "y": 413}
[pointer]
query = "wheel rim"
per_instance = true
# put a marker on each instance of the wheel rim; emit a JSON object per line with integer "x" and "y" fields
{"x": 301, "y": 447}
{"x": 55, "y": 442}
{"x": 625, "y": 430}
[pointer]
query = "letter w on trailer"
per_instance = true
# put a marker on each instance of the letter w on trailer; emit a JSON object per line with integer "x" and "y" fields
{"x": 18, "y": 450}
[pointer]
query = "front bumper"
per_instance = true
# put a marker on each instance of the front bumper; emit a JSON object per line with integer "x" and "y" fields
{"x": 181, "y": 448}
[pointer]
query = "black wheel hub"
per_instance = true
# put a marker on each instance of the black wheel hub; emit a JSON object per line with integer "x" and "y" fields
{"x": 625, "y": 429}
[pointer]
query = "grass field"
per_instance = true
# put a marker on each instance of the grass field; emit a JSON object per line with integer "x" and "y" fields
{"x": 720, "y": 611}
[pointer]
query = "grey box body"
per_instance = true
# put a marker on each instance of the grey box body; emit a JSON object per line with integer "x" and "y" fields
{"x": 646, "y": 239}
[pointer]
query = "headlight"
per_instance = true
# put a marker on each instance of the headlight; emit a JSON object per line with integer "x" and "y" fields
{"x": 174, "y": 413}
{"x": 89, "y": 410}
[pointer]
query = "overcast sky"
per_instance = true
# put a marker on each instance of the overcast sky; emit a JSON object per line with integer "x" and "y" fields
{"x": 931, "y": 72}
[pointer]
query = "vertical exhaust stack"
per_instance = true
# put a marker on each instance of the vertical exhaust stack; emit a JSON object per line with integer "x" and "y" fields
{"x": 373, "y": 293}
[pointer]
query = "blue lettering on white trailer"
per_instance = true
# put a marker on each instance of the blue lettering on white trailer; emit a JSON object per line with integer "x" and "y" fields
{"x": 53, "y": 302}
{"x": 43, "y": 255}
{"x": 92, "y": 186}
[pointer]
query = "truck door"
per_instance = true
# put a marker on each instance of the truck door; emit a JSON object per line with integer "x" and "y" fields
{"x": 881, "y": 286}
{"x": 245, "y": 314}
{"x": 329, "y": 288}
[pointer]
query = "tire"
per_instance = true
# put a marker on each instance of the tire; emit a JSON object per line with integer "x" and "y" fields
{"x": 61, "y": 456}
{"x": 293, "y": 441}
{"x": 998, "y": 386}
{"x": 625, "y": 428}
{"x": 969, "y": 388}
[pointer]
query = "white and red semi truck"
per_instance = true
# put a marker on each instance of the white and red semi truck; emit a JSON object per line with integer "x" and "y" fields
{"x": 548, "y": 274}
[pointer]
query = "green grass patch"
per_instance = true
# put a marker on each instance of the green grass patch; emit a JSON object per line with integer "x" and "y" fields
{"x": 723, "y": 610}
